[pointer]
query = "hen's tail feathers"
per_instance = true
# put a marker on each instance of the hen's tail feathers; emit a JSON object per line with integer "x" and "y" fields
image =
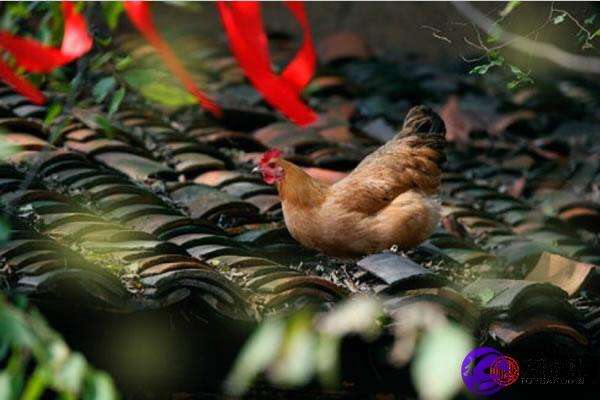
{"x": 423, "y": 122}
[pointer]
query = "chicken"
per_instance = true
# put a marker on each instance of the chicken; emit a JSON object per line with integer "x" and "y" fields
{"x": 388, "y": 199}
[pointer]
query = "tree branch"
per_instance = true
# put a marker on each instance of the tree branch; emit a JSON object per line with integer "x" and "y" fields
{"x": 544, "y": 50}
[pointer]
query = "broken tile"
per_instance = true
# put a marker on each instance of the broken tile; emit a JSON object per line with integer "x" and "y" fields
{"x": 563, "y": 272}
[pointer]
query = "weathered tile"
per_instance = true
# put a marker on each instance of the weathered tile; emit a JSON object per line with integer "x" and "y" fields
{"x": 563, "y": 272}
{"x": 398, "y": 271}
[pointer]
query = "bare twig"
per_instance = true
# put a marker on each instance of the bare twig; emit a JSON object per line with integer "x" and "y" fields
{"x": 437, "y": 33}
{"x": 544, "y": 50}
{"x": 575, "y": 21}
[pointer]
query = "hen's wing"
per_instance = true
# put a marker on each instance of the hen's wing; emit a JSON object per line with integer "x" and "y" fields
{"x": 409, "y": 161}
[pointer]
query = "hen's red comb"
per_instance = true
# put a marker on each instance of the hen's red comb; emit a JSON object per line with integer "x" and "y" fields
{"x": 269, "y": 155}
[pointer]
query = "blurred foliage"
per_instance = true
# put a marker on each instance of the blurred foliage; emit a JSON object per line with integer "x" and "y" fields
{"x": 587, "y": 31}
{"x": 105, "y": 77}
{"x": 36, "y": 361}
{"x": 158, "y": 86}
{"x": 290, "y": 352}
{"x": 440, "y": 351}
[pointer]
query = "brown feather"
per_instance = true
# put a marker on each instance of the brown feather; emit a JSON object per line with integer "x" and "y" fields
{"x": 386, "y": 200}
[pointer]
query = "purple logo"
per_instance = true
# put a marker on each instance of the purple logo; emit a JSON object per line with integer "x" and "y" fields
{"x": 486, "y": 371}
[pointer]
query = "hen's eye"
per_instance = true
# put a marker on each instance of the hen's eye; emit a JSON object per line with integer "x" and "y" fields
{"x": 271, "y": 164}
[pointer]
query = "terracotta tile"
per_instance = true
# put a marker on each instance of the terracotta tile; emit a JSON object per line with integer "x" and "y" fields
{"x": 395, "y": 270}
{"x": 263, "y": 279}
{"x": 207, "y": 251}
{"x": 343, "y": 46}
{"x": 201, "y": 201}
{"x": 136, "y": 167}
{"x": 299, "y": 297}
{"x": 157, "y": 223}
{"x": 283, "y": 284}
{"x": 83, "y": 135}
{"x": 563, "y": 272}
{"x": 511, "y": 333}
{"x": 167, "y": 267}
{"x": 26, "y": 142}
{"x": 196, "y": 163}
{"x": 99, "y": 146}
{"x": 244, "y": 190}
{"x": 265, "y": 202}
{"x": 218, "y": 178}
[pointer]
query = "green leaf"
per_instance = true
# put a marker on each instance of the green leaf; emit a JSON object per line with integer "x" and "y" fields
{"x": 167, "y": 94}
{"x": 70, "y": 374}
{"x": 328, "y": 360}
{"x": 6, "y": 387}
{"x": 435, "y": 369}
{"x": 480, "y": 69}
{"x": 595, "y": 34}
{"x": 521, "y": 80}
{"x": 53, "y": 111}
{"x": 158, "y": 86}
{"x": 103, "y": 41}
{"x": 99, "y": 386}
{"x": 359, "y": 315}
{"x": 515, "y": 70}
{"x": 559, "y": 19}
{"x": 100, "y": 59}
{"x": 115, "y": 101}
{"x": 590, "y": 20}
{"x": 256, "y": 355}
{"x": 36, "y": 385}
{"x": 496, "y": 60}
{"x": 36, "y": 347}
{"x": 112, "y": 11}
{"x": 295, "y": 364}
{"x": 106, "y": 126}
{"x": 103, "y": 87}
{"x": 15, "y": 369}
{"x": 123, "y": 63}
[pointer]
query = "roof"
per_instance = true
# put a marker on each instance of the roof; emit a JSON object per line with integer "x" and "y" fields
{"x": 162, "y": 212}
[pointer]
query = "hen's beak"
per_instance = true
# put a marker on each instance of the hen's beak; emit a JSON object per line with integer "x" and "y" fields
{"x": 256, "y": 170}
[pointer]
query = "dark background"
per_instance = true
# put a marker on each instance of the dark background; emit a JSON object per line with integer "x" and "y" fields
{"x": 394, "y": 28}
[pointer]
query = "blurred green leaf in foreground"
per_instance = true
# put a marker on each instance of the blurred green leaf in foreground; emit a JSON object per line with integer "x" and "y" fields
{"x": 28, "y": 344}
{"x": 289, "y": 352}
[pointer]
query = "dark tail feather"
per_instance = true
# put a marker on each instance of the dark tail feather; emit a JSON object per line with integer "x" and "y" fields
{"x": 425, "y": 123}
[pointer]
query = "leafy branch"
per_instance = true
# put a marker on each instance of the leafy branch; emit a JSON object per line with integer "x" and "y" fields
{"x": 498, "y": 38}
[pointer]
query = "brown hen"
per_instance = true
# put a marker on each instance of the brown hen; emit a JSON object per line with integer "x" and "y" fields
{"x": 388, "y": 200}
